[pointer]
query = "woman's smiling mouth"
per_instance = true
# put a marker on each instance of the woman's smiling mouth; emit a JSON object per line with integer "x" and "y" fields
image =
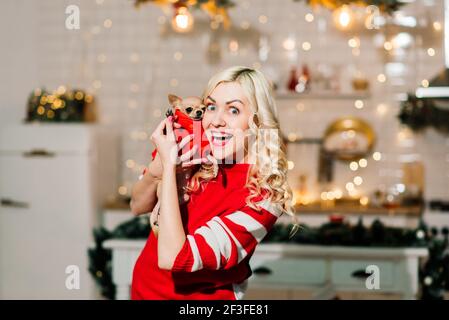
{"x": 219, "y": 139}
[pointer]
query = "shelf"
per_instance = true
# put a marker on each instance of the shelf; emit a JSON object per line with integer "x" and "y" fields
{"x": 413, "y": 211}
{"x": 284, "y": 95}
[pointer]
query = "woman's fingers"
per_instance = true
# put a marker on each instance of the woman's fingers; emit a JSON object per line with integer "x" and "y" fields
{"x": 185, "y": 140}
{"x": 186, "y": 156}
{"x": 169, "y": 128}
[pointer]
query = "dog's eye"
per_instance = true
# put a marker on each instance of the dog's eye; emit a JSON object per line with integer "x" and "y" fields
{"x": 189, "y": 109}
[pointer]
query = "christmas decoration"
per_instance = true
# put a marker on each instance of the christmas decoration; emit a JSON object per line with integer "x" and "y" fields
{"x": 434, "y": 273}
{"x": 217, "y": 10}
{"x": 419, "y": 113}
{"x": 388, "y": 6}
{"x": 100, "y": 258}
{"x": 62, "y": 105}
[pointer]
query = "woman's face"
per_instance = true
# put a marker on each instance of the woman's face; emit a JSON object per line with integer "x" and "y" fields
{"x": 225, "y": 121}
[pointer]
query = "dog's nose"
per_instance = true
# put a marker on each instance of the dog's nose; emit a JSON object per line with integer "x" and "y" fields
{"x": 199, "y": 113}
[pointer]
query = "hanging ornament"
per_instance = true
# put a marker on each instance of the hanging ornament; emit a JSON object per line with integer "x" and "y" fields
{"x": 182, "y": 20}
{"x": 343, "y": 17}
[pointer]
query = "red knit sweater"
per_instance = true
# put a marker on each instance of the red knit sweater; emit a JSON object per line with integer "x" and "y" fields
{"x": 221, "y": 235}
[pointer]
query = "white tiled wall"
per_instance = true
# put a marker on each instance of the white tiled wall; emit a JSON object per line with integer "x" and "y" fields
{"x": 139, "y": 69}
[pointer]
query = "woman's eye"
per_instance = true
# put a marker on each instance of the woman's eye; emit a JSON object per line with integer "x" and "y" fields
{"x": 210, "y": 107}
{"x": 234, "y": 110}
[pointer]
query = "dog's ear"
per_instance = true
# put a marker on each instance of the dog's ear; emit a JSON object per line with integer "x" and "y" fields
{"x": 173, "y": 100}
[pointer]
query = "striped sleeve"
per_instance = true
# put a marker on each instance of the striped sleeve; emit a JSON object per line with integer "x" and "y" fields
{"x": 224, "y": 241}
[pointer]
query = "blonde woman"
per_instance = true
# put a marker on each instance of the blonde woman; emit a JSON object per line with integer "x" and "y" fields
{"x": 203, "y": 248}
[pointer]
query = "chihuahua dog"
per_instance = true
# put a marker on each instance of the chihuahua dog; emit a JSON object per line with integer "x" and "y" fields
{"x": 186, "y": 111}
{"x": 193, "y": 107}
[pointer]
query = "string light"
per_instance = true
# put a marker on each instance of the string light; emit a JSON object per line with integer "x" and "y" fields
{"x": 338, "y": 193}
{"x": 123, "y": 190}
{"x": 289, "y": 44}
{"x": 359, "y": 104}
{"x": 107, "y": 23}
{"x": 233, "y": 46}
{"x": 388, "y": 45}
{"x": 382, "y": 109}
{"x": 358, "y": 180}
{"x": 377, "y": 156}
{"x": 263, "y": 19}
{"x": 182, "y": 20}
{"x": 425, "y": 83}
{"x": 343, "y": 17}
{"x": 363, "y": 163}
{"x": 61, "y": 90}
{"x": 290, "y": 165}
{"x": 130, "y": 163}
{"x": 431, "y": 52}
{"x": 381, "y": 78}
{"x": 177, "y": 56}
{"x": 350, "y": 186}
{"x": 353, "y": 166}
{"x": 364, "y": 201}
{"x": 96, "y": 84}
{"x": 309, "y": 17}
{"x": 437, "y": 26}
{"x": 354, "y": 42}
{"x": 306, "y": 46}
{"x": 245, "y": 25}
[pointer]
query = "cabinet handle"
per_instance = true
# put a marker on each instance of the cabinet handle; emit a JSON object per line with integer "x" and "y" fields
{"x": 38, "y": 153}
{"x": 14, "y": 204}
{"x": 262, "y": 271}
{"x": 360, "y": 274}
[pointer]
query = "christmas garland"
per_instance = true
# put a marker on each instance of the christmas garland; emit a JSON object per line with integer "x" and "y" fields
{"x": 388, "y": 6}
{"x": 219, "y": 7}
{"x": 419, "y": 114}
{"x": 433, "y": 274}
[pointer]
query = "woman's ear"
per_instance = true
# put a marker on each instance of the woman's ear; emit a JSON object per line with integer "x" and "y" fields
{"x": 173, "y": 99}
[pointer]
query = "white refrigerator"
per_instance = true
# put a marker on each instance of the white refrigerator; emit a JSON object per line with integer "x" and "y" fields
{"x": 54, "y": 179}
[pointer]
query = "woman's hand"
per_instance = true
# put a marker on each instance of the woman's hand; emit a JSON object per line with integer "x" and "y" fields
{"x": 167, "y": 147}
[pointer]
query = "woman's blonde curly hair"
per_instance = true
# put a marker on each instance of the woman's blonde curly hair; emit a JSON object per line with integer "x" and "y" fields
{"x": 269, "y": 169}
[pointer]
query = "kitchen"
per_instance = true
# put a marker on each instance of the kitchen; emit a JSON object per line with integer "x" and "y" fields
{"x": 361, "y": 93}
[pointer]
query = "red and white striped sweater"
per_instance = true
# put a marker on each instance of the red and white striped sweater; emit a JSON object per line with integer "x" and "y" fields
{"x": 221, "y": 235}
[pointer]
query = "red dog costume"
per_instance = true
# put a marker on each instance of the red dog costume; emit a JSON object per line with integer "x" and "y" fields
{"x": 192, "y": 126}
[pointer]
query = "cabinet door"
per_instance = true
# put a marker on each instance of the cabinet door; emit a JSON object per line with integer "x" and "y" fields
{"x": 45, "y": 225}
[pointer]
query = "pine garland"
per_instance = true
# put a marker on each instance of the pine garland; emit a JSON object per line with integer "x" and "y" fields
{"x": 419, "y": 114}
{"x": 388, "y": 6}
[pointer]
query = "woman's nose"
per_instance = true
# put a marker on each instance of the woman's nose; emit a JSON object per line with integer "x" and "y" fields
{"x": 218, "y": 120}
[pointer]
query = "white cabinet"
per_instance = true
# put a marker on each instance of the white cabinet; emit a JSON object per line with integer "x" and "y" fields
{"x": 293, "y": 271}
{"x": 325, "y": 270}
{"x": 53, "y": 180}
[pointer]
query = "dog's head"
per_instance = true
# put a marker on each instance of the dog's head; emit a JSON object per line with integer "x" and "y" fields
{"x": 191, "y": 106}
